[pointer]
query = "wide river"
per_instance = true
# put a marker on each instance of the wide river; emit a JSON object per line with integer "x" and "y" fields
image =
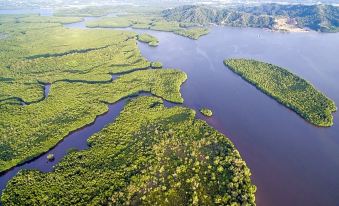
{"x": 292, "y": 162}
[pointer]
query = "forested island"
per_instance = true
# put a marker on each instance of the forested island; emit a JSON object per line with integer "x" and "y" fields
{"x": 286, "y": 88}
{"x": 207, "y": 112}
{"x": 146, "y": 38}
{"x": 318, "y": 17}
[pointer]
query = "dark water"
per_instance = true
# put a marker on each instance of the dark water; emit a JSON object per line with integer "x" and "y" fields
{"x": 292, "y": 161}
{"x": 47, "y": 88}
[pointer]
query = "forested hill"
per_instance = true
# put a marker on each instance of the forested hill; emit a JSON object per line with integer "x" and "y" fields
{"x": 324, "y": 18}
{"x": 226, "y": 16}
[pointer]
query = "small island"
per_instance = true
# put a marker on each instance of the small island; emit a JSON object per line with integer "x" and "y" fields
{"x": 286, "y": 88}
{"x": 146, "y": 38}
{"x": 156, "y": 65}
{"x": 206, "y": 112}
{"x": 50, "y": 157}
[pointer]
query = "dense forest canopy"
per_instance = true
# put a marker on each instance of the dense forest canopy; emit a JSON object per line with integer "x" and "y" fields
{"x": 287, "y": 88}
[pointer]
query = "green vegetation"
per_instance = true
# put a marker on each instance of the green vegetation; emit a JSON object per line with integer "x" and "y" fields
{"x": 156, "y": 65}
{"x": 206, "y": 112}
{"x": 151, "y": 40}
{"x": 50, "y": 157}
{"x": 149, "y": 22}
{"x": 287, "y": 88}
{"x": 72, "y": 60}
{"x": 209, "y": 15}
{"x": 317, "y": 17}
{"x": 150, "y": 155}
{"x": 193, "y": 33}
{"x": 119, "y": 22}
{"x": 100, "y": 11}
{"x": 84, "y": 12}
{"x": 31, "y": 130}
{"x": 15, "y": 19}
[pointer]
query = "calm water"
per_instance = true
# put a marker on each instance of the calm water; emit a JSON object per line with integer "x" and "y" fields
{"x": 292, "y": 161}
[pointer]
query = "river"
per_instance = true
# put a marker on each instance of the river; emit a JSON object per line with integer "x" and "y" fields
{"x": 292, "y": 162}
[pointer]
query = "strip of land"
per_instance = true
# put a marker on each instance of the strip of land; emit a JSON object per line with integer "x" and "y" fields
{"x": 151, "y": 23}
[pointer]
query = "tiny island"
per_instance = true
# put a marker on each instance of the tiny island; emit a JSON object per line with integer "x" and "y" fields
{"x": 156, "y": 65}
{"x": 146, "y": 38}
{"x": 206, "y": 112}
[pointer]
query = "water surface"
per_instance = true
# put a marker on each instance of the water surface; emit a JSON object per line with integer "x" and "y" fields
{"x": 292, "y": 161}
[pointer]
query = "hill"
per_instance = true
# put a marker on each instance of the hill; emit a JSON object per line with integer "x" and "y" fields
{"x": 323, "y": 18}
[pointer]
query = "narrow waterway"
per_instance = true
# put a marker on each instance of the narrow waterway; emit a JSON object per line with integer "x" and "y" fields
{"x": 75, "y": 140}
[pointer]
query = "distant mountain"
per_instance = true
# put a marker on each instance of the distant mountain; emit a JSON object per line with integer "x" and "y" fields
{"x": 320, "y": 17}
{"x": 206, "y": 15}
